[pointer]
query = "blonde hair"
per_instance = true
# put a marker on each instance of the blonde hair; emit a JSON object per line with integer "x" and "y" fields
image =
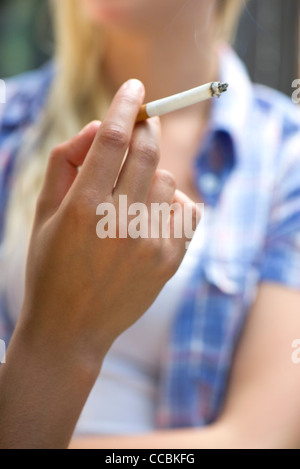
{"x": 77, "y": 96}
{"x": 229, "y": 11}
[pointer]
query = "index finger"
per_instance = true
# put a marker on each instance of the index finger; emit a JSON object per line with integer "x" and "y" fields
{"x": 103, "y": 162}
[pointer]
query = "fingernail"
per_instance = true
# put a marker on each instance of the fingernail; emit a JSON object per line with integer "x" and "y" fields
{"x": 90, "y": 124}
{"x": 134, "y": 85}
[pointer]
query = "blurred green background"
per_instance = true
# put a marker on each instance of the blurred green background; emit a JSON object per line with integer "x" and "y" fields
{"x": 268, "y": 39}
{"x": 25, "y": 35}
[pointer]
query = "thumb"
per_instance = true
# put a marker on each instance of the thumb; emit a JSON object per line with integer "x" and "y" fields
{"x": 62, "y": 168}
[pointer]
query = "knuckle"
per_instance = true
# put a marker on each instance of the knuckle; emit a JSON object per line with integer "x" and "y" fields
{"x": 148, "y": 153}
{"x": 167, "y": 179}
{"x": 115, "y": 136}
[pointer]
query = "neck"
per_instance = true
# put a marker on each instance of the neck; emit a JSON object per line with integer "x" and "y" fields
{"x": 168, "y": 61}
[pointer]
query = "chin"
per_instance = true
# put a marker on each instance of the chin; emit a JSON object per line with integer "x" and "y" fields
{"x": 128, "y": 15}
{"x": 111, "y": 12}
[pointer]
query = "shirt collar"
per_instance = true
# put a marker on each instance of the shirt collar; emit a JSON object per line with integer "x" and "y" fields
{"x": 222, "y": 147}
{"x": 229, "y": 113}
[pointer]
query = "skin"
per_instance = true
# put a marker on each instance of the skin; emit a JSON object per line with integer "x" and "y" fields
{"x": 263, "y": 403}
{"x": 67, "y": 323}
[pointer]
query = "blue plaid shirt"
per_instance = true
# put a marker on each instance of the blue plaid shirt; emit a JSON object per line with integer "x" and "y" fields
{"x": 248, "y": 172}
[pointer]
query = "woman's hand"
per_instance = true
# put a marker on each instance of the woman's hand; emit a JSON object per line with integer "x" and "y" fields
{"x": 82, "y": 291}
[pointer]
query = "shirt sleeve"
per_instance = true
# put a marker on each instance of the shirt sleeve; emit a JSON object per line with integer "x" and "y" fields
{"x": 281, "y": 259}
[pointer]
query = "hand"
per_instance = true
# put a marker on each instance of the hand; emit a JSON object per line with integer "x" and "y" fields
{"x": 83, "y": 291}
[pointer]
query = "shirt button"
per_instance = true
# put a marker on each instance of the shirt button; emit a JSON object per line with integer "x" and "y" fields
{"x": 210, "y": 184}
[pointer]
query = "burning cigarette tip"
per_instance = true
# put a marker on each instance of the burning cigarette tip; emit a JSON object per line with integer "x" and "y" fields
{"x": 223, "y": 87}
{"x": 218, "y": 88}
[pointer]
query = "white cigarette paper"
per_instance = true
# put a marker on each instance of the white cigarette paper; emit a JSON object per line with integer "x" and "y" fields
{"x": 182, "y": 100}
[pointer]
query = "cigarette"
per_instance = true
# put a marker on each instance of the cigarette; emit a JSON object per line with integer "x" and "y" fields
{"x": 181, "y": 100}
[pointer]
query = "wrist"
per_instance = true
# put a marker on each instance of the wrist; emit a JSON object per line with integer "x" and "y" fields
{"x": 65, "y": 347}
{"x": 54, "y": 385}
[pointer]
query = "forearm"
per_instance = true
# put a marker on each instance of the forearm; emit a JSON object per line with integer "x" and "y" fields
{"x": 42, "y": 393}
{"x": 212, "y": 437}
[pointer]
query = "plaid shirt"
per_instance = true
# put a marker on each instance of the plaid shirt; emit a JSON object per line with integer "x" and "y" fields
{"x": 248, "y": 172}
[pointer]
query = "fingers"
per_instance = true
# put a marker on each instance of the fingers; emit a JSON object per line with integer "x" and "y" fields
{"x": 194, "y": 210}
{"x": 163, "y": 188}
{"x": 184, "y": 220}
{"x": 106, "y": 155}
{"x": 182, "y": 215}
{"x": 160, "y": 199}
{"x": 174, "y": 217}
{"x": 139, "y": 168}
{"x": 63, "y": 166}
